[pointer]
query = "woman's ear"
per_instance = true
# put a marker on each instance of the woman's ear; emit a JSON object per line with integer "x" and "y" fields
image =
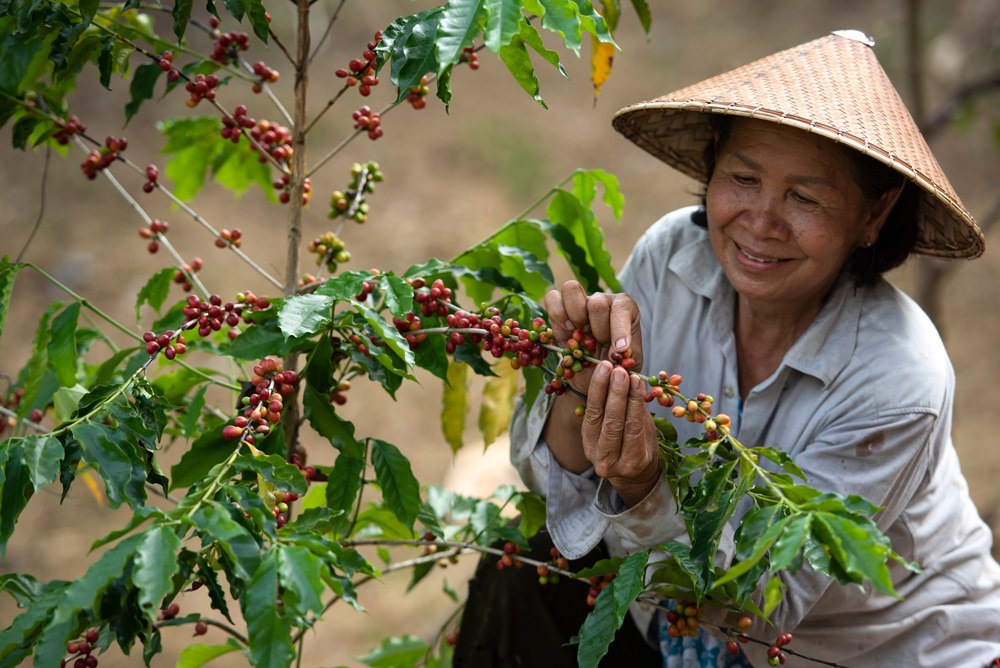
{"x": 879, "y": 213}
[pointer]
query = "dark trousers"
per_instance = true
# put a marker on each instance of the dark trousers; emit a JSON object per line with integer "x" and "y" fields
{"x": 512, "y": 620}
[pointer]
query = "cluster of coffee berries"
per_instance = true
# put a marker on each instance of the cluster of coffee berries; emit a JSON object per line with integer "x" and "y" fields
{"x": 81, "y": 650}
{"x": 251, "y": 302}
{"x": 775, "y": 657}
{"x": 12, "y": 404}
{"x": 67, "y": 129}
{"x": 227, "y": 238}
{"x": 367, "y": 287}
{"x": 429, "y": 300}
{"x": 526, "y": 351}
{"x": 166, "y": 63}
{"x": 181, "y": 275}
{"x": 342, "y": 203}
{"x": 363, "y": 69}
{"x": 683, "y": 620}
{"x": 329, "y": 249}
{"x": 284, "y": 184}
{"x": 166, "y": 342}
{"x": 100, "y": 158}
{"x": 366, "y": 119}
{"x": 226, "y": 45}
{"x": 662, "y": 387}
{"x": 461, "y": 320}
{"x": 469, "y": 56}
{"x": 418, "y": 93}
{"x": 597, "y": 585}
{"x": 209, "y": 316}
{"x": 359, "y": 344}
{"x": 152, "y": 174}
{"x": 281, "y": 501}
{"x": 263, "y": 407}
{"x": 201, "y": 87}
{"x": 272, "y": 137}
{"x": 308, "y": 472}
{"x": 544, "y": 575}
{"x": 624, "y": 360}
{"x": 337, "y": 394}
{"x": 410, "y": 325}
{"x": 577, "y": 348}
{"x": 508, "y": 559}
{"x": 156, "y": 227}
{"x": 266, "y": 74}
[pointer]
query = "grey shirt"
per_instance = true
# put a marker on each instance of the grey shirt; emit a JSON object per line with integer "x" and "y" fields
{"x": 862, "y": 402}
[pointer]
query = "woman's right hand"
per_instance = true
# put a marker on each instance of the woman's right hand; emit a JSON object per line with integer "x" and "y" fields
{"x": 613, "y": 321}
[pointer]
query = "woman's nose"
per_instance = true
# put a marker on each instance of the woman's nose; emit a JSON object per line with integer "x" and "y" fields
{"x": 764, "y": 219}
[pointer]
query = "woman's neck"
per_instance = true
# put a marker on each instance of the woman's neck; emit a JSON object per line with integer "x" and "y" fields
{"x": 765, "y": 332}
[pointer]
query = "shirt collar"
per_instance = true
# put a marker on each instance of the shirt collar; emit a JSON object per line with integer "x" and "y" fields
{"x": 823, "y": 350}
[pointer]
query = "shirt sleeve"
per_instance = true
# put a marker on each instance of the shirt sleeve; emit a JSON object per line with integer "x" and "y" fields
{"x": 883, "y": 459}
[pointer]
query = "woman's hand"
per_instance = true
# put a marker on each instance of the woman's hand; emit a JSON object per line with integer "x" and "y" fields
{"x": 619, "y": 437}
{"x": 613, "y": 321}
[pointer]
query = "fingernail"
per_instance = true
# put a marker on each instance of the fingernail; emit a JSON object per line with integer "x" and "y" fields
{"x": 635, "y": 382}
{"x": 604, "y": 368}
{"x": 619, "y": 375}
{"x": 569, "y": 324}
{"x": 621, "y": 344}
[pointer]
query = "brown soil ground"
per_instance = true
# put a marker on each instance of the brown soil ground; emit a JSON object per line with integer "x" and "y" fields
{"x": 450, "y": 181}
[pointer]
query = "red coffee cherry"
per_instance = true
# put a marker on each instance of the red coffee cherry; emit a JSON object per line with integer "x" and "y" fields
{"x": 200, "y": 629}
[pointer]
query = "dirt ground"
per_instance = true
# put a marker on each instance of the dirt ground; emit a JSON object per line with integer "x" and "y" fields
{"x": 450, "y": 180}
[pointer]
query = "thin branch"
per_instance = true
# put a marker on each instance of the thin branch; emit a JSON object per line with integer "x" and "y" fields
{"x": 25, "y": 421}
{"x": 268, "y": 91}
{"x": 41, "y": 207}
{"x": 282, "y": 47}
{"x": 322, "y": 39}
{"x": 332, "y": 101}
{"x": 225, "y": 627}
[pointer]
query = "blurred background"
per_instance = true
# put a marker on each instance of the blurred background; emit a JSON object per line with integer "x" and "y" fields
{"x": 451, "y": 180}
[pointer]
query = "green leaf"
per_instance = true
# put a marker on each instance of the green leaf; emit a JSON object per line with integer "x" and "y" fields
{"x": 8, "y": 273}
{"x": 38, "y": 363}
{"x": 682, "y": 556}
{"x": 773, "y": 595}
{"x": 62, "y": 346}
{"x": 585, "y": 188}
{"x": 344, "y": 483}
{"x": 215, "y": 594}
{"x": 498, "y": 403}
{"x": 155, "y": 567}
{"x": 529, "y": 35}
{"x": 449, "y": 592}
{"x": 254, "y": 9}
{"x": 141, "y": 515}
{"x": 304, "y": 315}
{"x": 414, "y": 53}
{"x": 431, "y": 355}
{"x": 269, "y": 632}
{"x": 156, "y": 289}
{"x": 116, "y": 459}
{"x": 533, "y": 513}
{"x": 193, "y": 414}
{"x": 857, "y": 546}
{"x": 15, "y": 489}
{"x": 388, "y": 333}
{"x": 566, "y": 210}
{"x": 105, "y": 61}
{"x": 666, "y": 428}
{"x": 503, "y": 23}
{"x": 575, "y": 255}
{"x": 106, "y": 371}
{"x": 760, "y": 548}
{"x": 22, "y": 130}
{"x": 329, "y": 425}
{"x": 233, "y": 539}
{"x": 460, "y": 22}
{"x": 182, "y": 14}
{"x": 642, "y": 9}
{"x": 256, "y": 341}
{"x": 143, "y": 82}
{"x": 602, "y": 568}
{"x": 515, "y": 56}
{"x": 630, "y": 582}
{"x": 396, "y": 652}
{"x": 65, "y": 401}
{"x": 399, "y": 488}
{"x": 208, "y": 450}
{"x": 299, "y": 573}
{"x": 398, "y": 295}
{"x": 599, "y": 629}
{"x": 561, "y": 17}
{"x": 455, "y": 404}
{"x": 41, "y": 457}
{"x": 781, "y": 459}
{"x": 197, "y": 655}
{"x": 791, "y": 542}
{"x": 275, "y": 470}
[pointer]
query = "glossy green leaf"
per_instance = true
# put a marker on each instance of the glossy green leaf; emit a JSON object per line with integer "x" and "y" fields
{"x": 197, "y": 655}
{"x": 857, "y": 547}
{"x": 431, "y": 355}
{"x": 275, "y": 470}
{"x": 344, "y": 483}
{"x": 760, "y": 548}
{"x": 682, "y": 557}
{"x": 142, "y": 86}
{"x": 388, "y": 333}
{"x": 65, "y": 401}
{"x": 299, "y": 574}
{"x": 503, "y": 23}
{"x": 345, "y": 285}
{"x": 41, "y": 456}
{"x": 156, "y": 289}
{"x": 413, "y": 53}
{"x": 566, "y": 210}
{"x": 791, "y": 542}
{"x": 529, "y": 35}
{"x": 396, "y": 652}
{"x": 399, "y": 488}
{"x": 193, "y": 414}
{"x": 15, "y": 489}
{"x": 304, "y": 315}
{"x": 599, "y": 628}
{"x": 117, "y": 460}
{"x": 254, "y": 9}
{"x": 268, "y": 630}
{"x": 38, "y": 363}
{"x": 207, "y": 450}
{"x": 62, "y": 345}
{"x": 216, "y": 596}
{"x": 8, "y": 274}
{"x": 22, "y": 130}
{"x": 533, "y": 513}
{"x": 398, "y": 295}
{"x": 773, "y": 595}
{"x": 460, "y": 22}
{"x": 630, "y": 582}
{"x": 455, "y": 404}
{"x": 155, "y": 566}
{"x": 105, "y": 61}
{"x": 561, "y": 17}
{"x": 574, "y": 254}
{"x": 141, "y": 515}
{"x": 781, "y": 459}
{"x": 182, "y": 14}
{"x": 232, "y": 538}
{"x": 642, "y": 9}
{"x": 329, "y": 425}
{"x": 585, "y": 188}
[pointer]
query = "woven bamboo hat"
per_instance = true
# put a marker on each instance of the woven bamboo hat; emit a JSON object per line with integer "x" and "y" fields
{"x": 832, "y": 86}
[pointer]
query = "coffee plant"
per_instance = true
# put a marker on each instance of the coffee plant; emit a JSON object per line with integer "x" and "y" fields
{"x": 253, "y": 522}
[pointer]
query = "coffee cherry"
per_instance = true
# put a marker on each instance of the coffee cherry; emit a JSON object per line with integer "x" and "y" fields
{"x": 744, "y": 623}
{"x": 733, "y": 647}
{"x": 580, "y": 410}
{"x": 231, "y": 432}
{"x": 84, "y": 647}
{"x": 452, "y": 638}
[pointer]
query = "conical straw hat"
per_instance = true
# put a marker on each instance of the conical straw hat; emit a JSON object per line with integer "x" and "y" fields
{"x": 832, "y": 86}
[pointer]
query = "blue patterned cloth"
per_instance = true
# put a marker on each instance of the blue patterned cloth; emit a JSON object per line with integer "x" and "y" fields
{"x": 702, "y": 651}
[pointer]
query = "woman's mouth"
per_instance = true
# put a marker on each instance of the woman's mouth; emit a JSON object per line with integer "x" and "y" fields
{"x": 757, "y": 260}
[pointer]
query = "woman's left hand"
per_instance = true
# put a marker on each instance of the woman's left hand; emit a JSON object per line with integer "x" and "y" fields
{"x": 619, "y": 437}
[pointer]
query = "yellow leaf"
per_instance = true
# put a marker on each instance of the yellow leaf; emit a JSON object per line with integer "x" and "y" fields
{"x": 600, "y": 64}
{"x": 498, "y": 402}
{"x": 91, "y": 482}
{"x": 455, "y": 404}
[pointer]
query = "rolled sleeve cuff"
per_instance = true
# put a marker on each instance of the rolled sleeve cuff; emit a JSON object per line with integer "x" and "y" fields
{"x": 651, "y": 522}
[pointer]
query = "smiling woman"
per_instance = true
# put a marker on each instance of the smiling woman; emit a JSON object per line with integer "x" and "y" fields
{"x": 772, "y": 294}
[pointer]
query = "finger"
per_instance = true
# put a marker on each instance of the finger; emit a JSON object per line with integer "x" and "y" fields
{"x": 557, "y": 315}
{"x": 624, "y": 314}
{"x": 597, "y": 394}
{"x": 609, "y": 445}
{"x": 575, "y": 302}
{"x": 635, "y": 454}
{"x": 599, "y": 314}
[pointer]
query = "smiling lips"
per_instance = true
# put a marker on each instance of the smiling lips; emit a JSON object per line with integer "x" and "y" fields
{"x": 755, "y": 258}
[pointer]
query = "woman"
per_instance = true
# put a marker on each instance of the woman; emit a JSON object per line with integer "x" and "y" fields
{"x": 770, "y": 297}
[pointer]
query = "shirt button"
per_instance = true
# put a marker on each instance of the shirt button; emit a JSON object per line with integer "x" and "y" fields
{"x": 728, "y": 391}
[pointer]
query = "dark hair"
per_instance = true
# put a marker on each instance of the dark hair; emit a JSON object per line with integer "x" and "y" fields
{"x": 898, "y": 236}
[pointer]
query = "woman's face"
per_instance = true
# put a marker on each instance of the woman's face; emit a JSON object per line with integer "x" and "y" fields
{"x": 784, "y": 213}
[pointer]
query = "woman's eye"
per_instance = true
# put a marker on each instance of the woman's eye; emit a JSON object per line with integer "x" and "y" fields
{"x": 744, "y": 180}
{"x": 804, "y": 200}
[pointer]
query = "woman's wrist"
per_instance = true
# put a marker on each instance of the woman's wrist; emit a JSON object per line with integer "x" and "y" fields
{"x": 634, "y": 490}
